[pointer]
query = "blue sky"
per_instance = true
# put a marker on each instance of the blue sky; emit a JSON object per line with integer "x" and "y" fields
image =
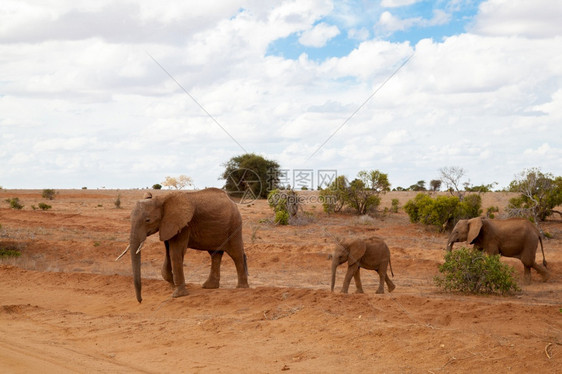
{"x": 82, "y": 103}
{"x": 420, "y": 20}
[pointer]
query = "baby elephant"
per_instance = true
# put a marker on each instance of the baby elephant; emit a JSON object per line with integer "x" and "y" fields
{"x": 371, "y": 254}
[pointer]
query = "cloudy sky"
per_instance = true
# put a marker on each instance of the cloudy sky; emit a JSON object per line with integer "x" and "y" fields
{"x": 121, "y": 94}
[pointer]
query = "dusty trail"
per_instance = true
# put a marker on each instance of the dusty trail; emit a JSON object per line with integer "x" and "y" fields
{"x": 66, "y": 306}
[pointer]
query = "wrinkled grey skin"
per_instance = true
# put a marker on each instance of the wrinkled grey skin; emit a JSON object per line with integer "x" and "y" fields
{"x": 371, "y": 254}
{"x": 514, "y": 237}
{"x": 205, "y": 220}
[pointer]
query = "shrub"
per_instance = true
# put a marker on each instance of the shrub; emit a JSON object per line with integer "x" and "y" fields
{"x": 539, "y": 193}
{"x": 9, "y": 252}
{"x": 442, "y": 211}
{"x": 44, "y": 206}
{"x": 157, "y": 186}
{"x": 117, "y": 202}
{"x": 469, "y": 207}
{"x": 473, "y": 271}
{"x": 491, "y": 210}
{"x": 334, "y": 196}
{"x": 48, "y": 193}
{"x": 395, "y": 205}
{"x": 285, "y": 205}
{"x": 282, "y": 217}
{"x": 14, "y": 203}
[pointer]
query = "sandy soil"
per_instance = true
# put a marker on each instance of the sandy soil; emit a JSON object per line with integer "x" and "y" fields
{"x": 67, "y": 306}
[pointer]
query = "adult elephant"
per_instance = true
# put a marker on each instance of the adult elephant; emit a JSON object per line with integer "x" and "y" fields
{"x": 205, "y": 220}
{"x": 513, "y": 237}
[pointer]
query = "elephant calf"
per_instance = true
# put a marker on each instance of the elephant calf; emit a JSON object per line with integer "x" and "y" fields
{"x": 371, "y": 254}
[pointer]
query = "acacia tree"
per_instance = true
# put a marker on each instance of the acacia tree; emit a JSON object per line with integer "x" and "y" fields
{"x": 435, "y": 185}
{"x": 178, "y": 182}
{"x": 363, "y": 192}
{"x": 539, "y": 193}
{"x": 251, "y": 176}
{"x": 451, "y": 176}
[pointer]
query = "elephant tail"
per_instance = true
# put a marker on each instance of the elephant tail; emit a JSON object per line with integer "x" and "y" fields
{"x": 390, "y": 264}
{"x": 542, "y": 250}
{"x": 245, "y": 265}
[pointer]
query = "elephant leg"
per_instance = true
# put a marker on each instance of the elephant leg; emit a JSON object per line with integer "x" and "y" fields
{"x": 527, "y": 275}
{"x": 358, "y": 284}
{"x": 545, "y": 274}
{"x": 389, "y": 283}
{"x": 239, "y": 259}
{"x": 382, "y": 276}
{"x": 177, "y": 252}
{"x": 167, "y": 266}
{"x": 351, "y": 270}
{"x": 215, "y": 275}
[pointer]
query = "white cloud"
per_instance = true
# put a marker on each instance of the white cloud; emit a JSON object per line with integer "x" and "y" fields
{"x": 482, "y": 100}
{"x": 533, "y": 19}
{"x": 390, "y": 23}
{"x": 319, "y": 35}
{"x": 397, "y": 3}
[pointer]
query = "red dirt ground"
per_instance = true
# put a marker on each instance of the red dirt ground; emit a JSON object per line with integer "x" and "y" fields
{"x": 67, "y": 306}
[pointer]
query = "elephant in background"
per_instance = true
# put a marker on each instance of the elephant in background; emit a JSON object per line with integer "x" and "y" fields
{"x": 204, "y": 220}
{"x": 371, "y": 254}
{"x": 514, "y": 237}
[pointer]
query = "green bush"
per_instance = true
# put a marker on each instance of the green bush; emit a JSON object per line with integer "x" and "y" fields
{"x": 473, "y": 271}
{"x": 334, "y": 196}
{"x": 490, "y": 212}
{"x": 442, "y": 211}
{"x": 282, "y": 217}
{"x": 285, "y": 204}
{"x": 9, "y": 252}
{"x": 44, "y": 206}
{"x": 395, "y": 205}
{"x": 157, "y": 186}
{"x": 48, "y": 193}
{"x": 14, "y": 203}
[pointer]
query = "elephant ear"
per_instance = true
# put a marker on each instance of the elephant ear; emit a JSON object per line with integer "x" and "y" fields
{"x": 474, "y": 227}
{"x": 177, "y": 212}
{"x": 357, "y": 250}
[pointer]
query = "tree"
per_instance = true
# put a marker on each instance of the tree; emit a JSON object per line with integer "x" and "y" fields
{"x": 48, "y": 193}
{"x": 334, "y": 196}
{"x": 178, "y": 183}
{"x": 251, "y": 176}
{"x": 419, "y": 186}
{"x": 374, "y": 180}
{"x": 363, "y": 192}
{"x": 539, "y": 192}
{"x": 451, "y": 176}
{"x": 435, "y": 185}
{"x": 482, "y": 188}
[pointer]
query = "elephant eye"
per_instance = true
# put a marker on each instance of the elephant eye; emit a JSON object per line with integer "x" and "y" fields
{"x": 147, "y": 220}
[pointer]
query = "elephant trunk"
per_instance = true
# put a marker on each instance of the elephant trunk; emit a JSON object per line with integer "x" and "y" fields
{"x": 449, "y": 246}
{"x": 334, "y": 267}
{"x": 136, "y": 264}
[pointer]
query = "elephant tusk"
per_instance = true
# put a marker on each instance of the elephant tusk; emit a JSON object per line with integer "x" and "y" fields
{"x": 123, "y": 254}
{"x": 140, "y": 246}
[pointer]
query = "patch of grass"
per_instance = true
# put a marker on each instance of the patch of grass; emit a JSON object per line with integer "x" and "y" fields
{"x": 6, "y": 252}
{"x": 44, "y": 206}
{"x": 15, "y": 203}
{"x": 473, "y": 271}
